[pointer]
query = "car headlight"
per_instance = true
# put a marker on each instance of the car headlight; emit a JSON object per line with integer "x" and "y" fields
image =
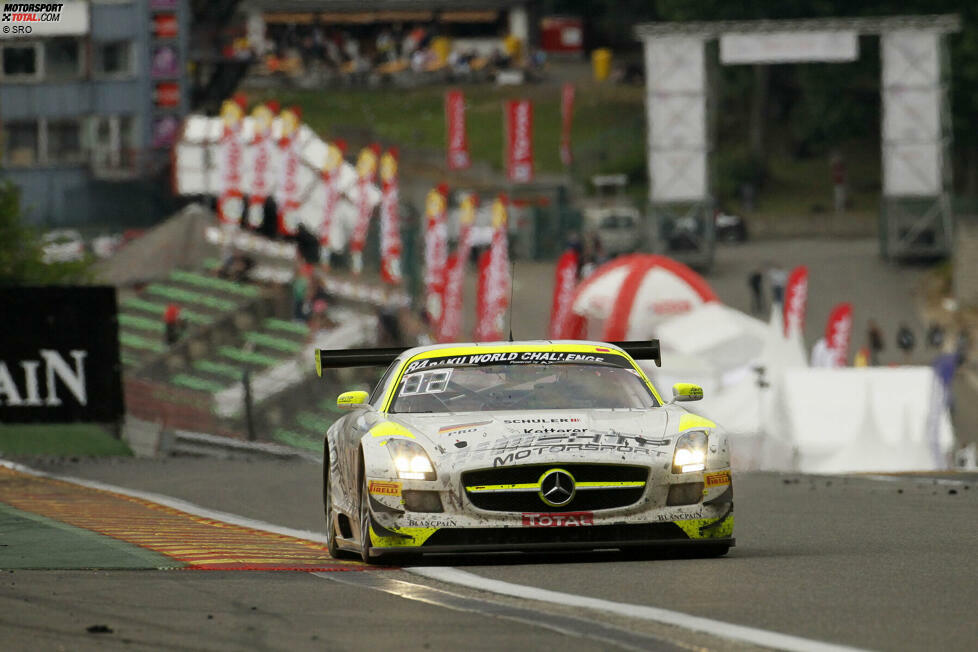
{"x": 410, "y": 460}
{"x": 690, "y": 453}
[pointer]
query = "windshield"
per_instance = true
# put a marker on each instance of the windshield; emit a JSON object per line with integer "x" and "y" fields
{"x": 513, "y": 385}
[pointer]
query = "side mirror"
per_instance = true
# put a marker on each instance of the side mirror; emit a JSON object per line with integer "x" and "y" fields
{"x": 682, "y": 392}
{"x": 351, "y": 399}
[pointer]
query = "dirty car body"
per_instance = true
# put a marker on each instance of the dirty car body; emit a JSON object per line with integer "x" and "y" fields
{"x": 521, "y": 446}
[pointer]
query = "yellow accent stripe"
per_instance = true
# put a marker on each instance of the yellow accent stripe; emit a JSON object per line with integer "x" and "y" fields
{"x": 319, "y": 363}
{"x": 722, "y": 531}
{"x": 530, "y": 486}
{"x": 691, "y": 421}
{"x": 389, "y": 429}
{"x": 505, "y": 348}
{"x": 503, "y": 487}
{"x": 415, "y": 536}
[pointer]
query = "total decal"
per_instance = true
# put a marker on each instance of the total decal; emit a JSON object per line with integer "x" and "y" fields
{"x": 230, "y": 202}
{"x": 560, "y": 519}
{"x": 367, "y": 162}
{"x": 330, "y": 177}
{"x": 287, "y": 190}
{"x": 261, "y": 166}
{"x": 390, "y": 222}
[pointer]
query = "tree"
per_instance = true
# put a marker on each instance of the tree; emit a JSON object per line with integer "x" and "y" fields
{"x": 21, "y": 254}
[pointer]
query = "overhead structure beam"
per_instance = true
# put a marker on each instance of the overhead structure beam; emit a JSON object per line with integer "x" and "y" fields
{"x": 942, "y": 23}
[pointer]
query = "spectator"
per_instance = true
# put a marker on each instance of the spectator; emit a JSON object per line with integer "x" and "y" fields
{"x": 319, "y": 321}
{"x": 874, "y": 338}
{"x": 905, "y": 340}
{"x": 755, "y": 280}
{"x": 777, "y": 277}
{"x": 236, "y": 267}
{"x": 300, "y": 285}
{"x": 174, "y": 324}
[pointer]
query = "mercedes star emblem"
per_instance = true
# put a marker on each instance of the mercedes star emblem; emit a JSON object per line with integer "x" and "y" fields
{"x": 557, "y": 487}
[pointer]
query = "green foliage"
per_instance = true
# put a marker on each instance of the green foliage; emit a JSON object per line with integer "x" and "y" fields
{"x": 60, "y": 439}
{"x": 20, "y": 249}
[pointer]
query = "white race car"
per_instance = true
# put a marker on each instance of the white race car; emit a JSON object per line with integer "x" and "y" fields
{"x": 520, "y": 446}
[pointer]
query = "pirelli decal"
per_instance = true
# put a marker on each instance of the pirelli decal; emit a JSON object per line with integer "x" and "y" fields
{"x": 717, "y": 479}
{"x": 379, "y": 488}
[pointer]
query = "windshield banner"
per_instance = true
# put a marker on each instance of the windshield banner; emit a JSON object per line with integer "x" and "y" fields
{"x": 521, "y": 357}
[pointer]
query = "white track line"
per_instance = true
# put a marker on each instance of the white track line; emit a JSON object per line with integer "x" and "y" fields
{"x": 450, "y": 575}
{"x": 716, "y": 628}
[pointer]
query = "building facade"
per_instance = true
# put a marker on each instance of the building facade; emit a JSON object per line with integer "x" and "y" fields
{"x": 89, "y": 109}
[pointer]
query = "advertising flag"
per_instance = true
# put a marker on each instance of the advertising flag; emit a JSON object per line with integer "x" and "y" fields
{"x": 287, "y": 190}
{"x": 566, "y": 121}
{"x": 435, "y": 252}
{"x": 563, "y": 324}
{"x": 450, "y": 327}
{"x": 330, "y": 176}
{"x": 457, "y": 135}
{"x": 263, "y": 177}
{"x": 497, "y": 283}
{"x": 838, "y": 332}
{"x": 390, "y": 222}
{"x": 483, "y": 325}
{"x": 366, "y": 173}
{"x": 519, "y": 141}
{"x": 230, "y": 203}
{"x": 795, "y": 300}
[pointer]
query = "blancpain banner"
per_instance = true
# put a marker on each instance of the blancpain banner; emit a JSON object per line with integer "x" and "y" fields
{"x": 789, "y": 47}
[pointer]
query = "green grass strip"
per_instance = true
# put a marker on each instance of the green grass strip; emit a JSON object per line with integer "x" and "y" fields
{"x": 158, "y": 309}
{"x": 179, "y": 294}
{"x": 273, "y": 342}
{"x": 219, "y": 369}
{"x": 314, "y": 422}
{"x": 273, "y": 324}
{"x": 128, "y": 359}
{"x": 209, "y": 282}
{"x": 247, "y": 356}
{"x": 211, "y": 263}
{"x": 60, "y": 439}
{"x": 141, "y": 323}
{"x": 297, "y": 440}
{"x": 196, "y": 382}
{"x": 137, "y": 342}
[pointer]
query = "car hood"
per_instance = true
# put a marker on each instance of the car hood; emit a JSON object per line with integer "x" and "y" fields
{"x": 479, "y": 439}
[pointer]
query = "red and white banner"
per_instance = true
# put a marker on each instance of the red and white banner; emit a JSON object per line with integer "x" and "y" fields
{"x": 450, "y": 326}
{"x": 330, "y": 175}
{"x": 838, "y": 333}
{"x": 483, "y": 325}
{"x": 795, "y": 300}
{"x": 366, "y": 173}
{"x": 497, "y": 283}
{"x": 262, "y": 169}
{"x": 566, "y": 121}
{"x": 564, "y": 323}
{"x": 287, "y": 190}
{"x": 435, "y": 253}
{"x": 519, "y": 141}
{"x": 230, "y": 202}
{"x": 390, "y": 220}
{"x": 457, "y": 136}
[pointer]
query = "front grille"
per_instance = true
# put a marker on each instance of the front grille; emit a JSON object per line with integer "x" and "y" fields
{"x": 494, "y": 496}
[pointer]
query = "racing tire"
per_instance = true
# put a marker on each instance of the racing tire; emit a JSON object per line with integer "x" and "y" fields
{"x": 328, "y": 513}
{"x": 364, "y": 522}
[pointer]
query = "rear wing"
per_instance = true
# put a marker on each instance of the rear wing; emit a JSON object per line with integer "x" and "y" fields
{"x": 344, "y": 358}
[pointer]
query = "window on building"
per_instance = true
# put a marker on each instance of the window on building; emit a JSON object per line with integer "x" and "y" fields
{"x": 20, "y": 60}
{"x": 64, "y": 141}
{"x": 114, "y": 142}
{"x": 113, "y": 58}
{"x": 20, "y": 141}
{"x": 62, "y": 58}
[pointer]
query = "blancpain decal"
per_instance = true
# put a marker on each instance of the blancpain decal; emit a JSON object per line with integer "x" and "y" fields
{"x": 55, "y": 366}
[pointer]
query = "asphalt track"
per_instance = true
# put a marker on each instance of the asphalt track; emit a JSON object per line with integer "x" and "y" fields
{"x": 872, "y": 563}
